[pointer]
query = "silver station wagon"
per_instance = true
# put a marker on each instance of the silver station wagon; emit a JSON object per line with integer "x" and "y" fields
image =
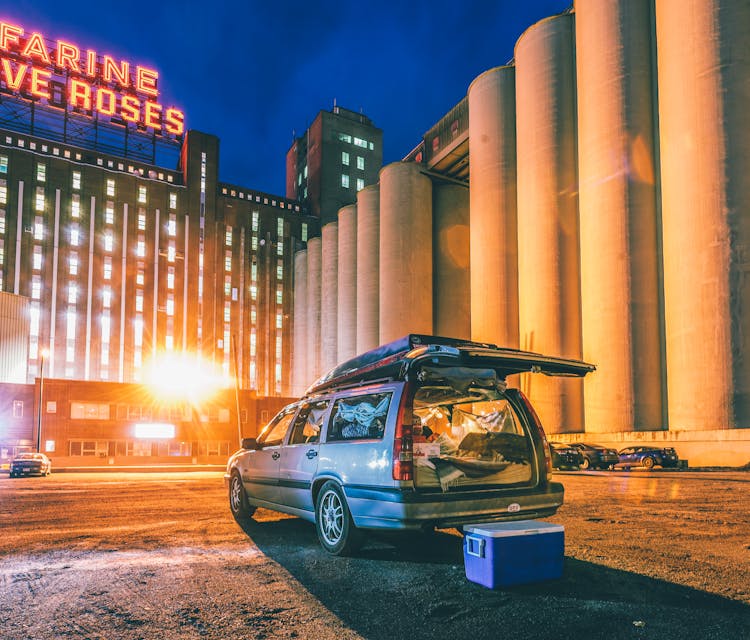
{"x": 417, "y": 434}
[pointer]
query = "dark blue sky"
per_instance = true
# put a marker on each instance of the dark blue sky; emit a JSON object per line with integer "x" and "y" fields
{"x": 253, "y": 72}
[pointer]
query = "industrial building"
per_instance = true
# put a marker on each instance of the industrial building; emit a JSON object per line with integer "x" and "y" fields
{"x": 588, "y": 199}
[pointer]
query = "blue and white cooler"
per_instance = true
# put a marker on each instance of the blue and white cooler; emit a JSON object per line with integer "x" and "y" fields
{"x": 504, "y": 554}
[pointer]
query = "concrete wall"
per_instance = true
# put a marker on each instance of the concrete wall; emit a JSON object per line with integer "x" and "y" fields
{"x": 299, "y": 352}
{"x": 313, "y": 309}
{"x": 618, "y": 218}
{"x": 368, "y": 268}
{"x": 493, "y": 207}
{"x": 548, "y": 258}
{"x": 329, "y": 314}
{"x": 347, "y": 283}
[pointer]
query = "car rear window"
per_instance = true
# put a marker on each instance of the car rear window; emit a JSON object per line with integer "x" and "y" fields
{"x": 359, "y": 417}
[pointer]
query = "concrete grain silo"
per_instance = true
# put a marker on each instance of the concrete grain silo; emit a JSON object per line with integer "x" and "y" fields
{"x": 347, "y": 283}
{"x": 300, "y": 382}
{"x": 313, "y": 309}
{"x": 329, "y": 315}
{"x": 405, "y": 251}
{"x": 620, "y": 306}
{"x": 368, "y": 268}
{"x": 548, "y": 260}
{"x": 704, "y": 114}
{"x": 492, "y": 180}
{"x": 451, "y": 282}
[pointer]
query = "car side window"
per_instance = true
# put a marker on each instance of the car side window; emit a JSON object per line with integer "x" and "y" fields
{"x": 359, "y": 417}
{"x": 273, "y": 434}
{"x": 307, "y": 425}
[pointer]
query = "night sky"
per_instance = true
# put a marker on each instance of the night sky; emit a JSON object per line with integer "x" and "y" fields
{"x": 253, "y": 73}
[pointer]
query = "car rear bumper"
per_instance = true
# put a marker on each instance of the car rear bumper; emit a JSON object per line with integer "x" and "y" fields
{"x": 395, "y": 509}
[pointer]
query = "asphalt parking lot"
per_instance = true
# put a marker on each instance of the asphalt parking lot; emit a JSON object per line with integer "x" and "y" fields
{"x": 157, "y": 555}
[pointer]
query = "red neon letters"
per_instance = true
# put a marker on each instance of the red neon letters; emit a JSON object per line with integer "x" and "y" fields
{"x": 29, "y": 65}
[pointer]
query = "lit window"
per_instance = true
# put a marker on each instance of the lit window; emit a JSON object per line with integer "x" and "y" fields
{"x": 107, "y": 267}
{"x": 359, "y": 142}
{"x": 106, "y": 297}
{"x": 253, "y": 291}
{"x": 109, "y": 212}
{"x": 72, "y": 293}
{"x": 253, "y": 342}
{"x": 228, "y": 261}
{"x": 73, "y": 264}
{"x": 139, "y": 301}
{"x": 2, "y": 221}
{"x": 170, "y": 304}
{"x": 345, "y": 137}
{"x": 141, "y": 219}
{"x": 255, "y": 220}
{"x": 76, "y": 179}
{"x": 172, "y": 225}
{"x": 280, "y": 249}
{"x": 345, "y": 158}
{"x": 108, "y": 241}
{"x": 304, "y": 171}
{"x": 75, "y": 206}
{"x": 170, "y": 278}
{"x": 278, "y": 320}
{"x": 360, "y": 163}
{"x": 140, "y": 277}
{"x": 171, "y": 251}
{"x": 36, "y": 287}
{"x": 228, "y": 236}
{"x": 37, "y": 258}
{"x": 3, "y": 192}
{"x": 253, "y": 315}
{"x": 3, "y": 164}
{"x": 39, "y": 202}
{"x": 344, "y": 181}
{"x": 142, "y": 195}
{"x": 254, "y": 243}
{"x": 304, "y": 232}
{"x": 38, "y": 228}
{"x": 227, "y": 312}
{"x": 74, "y": 235}
{"x": 360, "y": 184}
{"x": 253, "y": 272}
{"x": 280, "y": 270}
{"x": 279, "y": 296}
{"x": 111, "y": 188}
{"x": 71, "y": 323}
{"x": 172, "y": 200}
{"x": 140, "y": 247}
{"x": 41, "y": 172}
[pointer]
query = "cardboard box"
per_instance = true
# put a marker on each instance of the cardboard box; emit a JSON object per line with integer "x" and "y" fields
{"x": 504, "y": 554}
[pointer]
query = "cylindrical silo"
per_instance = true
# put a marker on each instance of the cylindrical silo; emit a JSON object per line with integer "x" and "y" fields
{"x": 368, "y": 268}
{"x": 492, "y": 178}
{"x": 620, "y": 307}
{"x": 347, "y": 283}
{"x": 313, "y": 309}
{"x": 300, "y": 382}
{"x": 405, "y": 251}
{"x": 704, "y": 119}
{"x": 329, "y": 315}
{"x": 548, "y": 268}
{"x": 451, "y": 282}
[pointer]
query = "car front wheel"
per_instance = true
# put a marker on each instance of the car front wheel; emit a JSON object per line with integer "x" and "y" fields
{"x": 648, "y": 462}
{"x": 586, "y": 465}
{"x": 238, "y": 504}
{"x": 334, "y": 523}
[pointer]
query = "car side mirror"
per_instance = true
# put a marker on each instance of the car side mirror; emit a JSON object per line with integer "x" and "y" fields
{"x": 250, "y": 443}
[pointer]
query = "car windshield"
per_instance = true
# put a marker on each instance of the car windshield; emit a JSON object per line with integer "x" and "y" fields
{"x": 28, "y": 456}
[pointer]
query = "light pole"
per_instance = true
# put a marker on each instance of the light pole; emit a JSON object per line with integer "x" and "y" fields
{"x": 42, "y": 355}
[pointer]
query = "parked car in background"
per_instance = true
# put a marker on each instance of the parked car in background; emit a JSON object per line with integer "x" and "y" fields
{"x": 595, "y": 456}
{"x": 565, "y": 456}
{"x": 420, "y": 433}
{"x": 648, "y": 457}
{"x": 30, "y": 464}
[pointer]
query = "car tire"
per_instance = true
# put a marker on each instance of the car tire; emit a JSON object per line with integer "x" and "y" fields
{"x": 238, "y": 505}
{"x": 333, "y": 521}
{"x": 586, "y": 465}
{"x": 648, "y": 462}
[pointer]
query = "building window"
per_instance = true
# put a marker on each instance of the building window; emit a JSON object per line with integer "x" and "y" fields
{"x": 41, "y": 172}
{"x": 228, "y": 261}
{"x": 141, "y": 219}
{"x": 76, "y": 180}
{"x": 171, "y": 251}
{"x": 360, "y": 163}
{"x": 38, "y": 228}
{"x": 75, "y": 206}
{"x": 3, "y": 192}
{"x": 111, "y": 188}
{"x": 255, "y": 220}
{"x": 345, "y": 137}
{"x": 359, "y": 142}
{"x": 360, "y": 184}
{"x": 108, "y": 241}
{"x": 279, "y": 295}
{"x": 3, "y": 164}
{"x": 345, "y": 158}
{"x": 17, "y": 404}
{"x": 39, "y": 202}
{"x": 142, "y": 195}
{"x": 36, "y": 287}
{"x": 2, "y": 221}
{"x": 37, "y": 258}
{"x": 304, "y": 232}
{"x": 280, "y": 248}
{"x": 106, "y": 297}
{"x": 74, "y": 235}
{"x": 140, "y": 247}
{"x": 89, "y": 411}
{"x": 172, "y": 200}
{"x": 228, "y": 236}
{"x": 107, "y": 267}
{"x": 280, "y": 228}
{"x": 170, "y": 278}
{"x": 278, "y": 320}
{"x": 73, "y": 264}
{"x": 109, "y": 212}
{"x": 172, "y": 225}
{"x": 280, "y": 270}
{"x": 344, "y": 181}
{"x": 72, "y": 293}
{"x": 139, "y": 301}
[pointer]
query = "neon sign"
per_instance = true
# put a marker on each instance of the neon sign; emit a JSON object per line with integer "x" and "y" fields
{"x": 67, "y": 77}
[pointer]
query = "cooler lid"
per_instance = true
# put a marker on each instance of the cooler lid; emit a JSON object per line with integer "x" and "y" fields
{"x": 514, "y": 528}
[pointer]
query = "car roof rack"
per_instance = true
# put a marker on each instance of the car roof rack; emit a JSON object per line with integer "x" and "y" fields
{"x": 392, "y": 361}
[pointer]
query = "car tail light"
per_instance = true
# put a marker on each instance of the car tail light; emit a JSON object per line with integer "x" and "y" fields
{"x": 403, "y": 444}
{"x": 538, "y": 424}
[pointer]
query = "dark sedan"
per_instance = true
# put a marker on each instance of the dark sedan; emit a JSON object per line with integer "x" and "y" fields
{"x": 647, "y": 457}
{"x": 30, "y": 464}
{"x": 595, "y": 456}
{"x": 564, "y": 456}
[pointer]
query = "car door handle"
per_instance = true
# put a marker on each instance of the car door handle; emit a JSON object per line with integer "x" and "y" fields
{"x": 275, "y": 455}
{"x": 311, "y": 454}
